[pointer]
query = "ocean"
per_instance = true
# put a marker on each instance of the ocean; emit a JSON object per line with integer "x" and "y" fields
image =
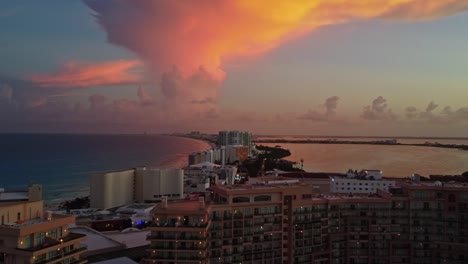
{"x": 62, "y": 163}
{"x": 393, "y": 161}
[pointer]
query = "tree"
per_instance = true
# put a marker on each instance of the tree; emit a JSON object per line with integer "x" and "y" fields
{"x": 465, "y": 176}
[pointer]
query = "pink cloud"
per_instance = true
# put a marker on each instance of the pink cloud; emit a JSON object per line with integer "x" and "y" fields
{"x": 82, "y": 75}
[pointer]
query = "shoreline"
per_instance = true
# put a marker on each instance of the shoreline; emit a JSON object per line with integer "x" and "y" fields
{"x": 212, "y": 144}
{"x": 176, "y": 161}
{"x": 347, "y": 142}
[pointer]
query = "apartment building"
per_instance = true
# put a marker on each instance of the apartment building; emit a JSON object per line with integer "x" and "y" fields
{"x": 30, "y": 235}
{"x": 414, "y": 222}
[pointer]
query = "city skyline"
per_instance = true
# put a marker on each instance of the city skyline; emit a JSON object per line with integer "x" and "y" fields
{"x": 383, "y": 68}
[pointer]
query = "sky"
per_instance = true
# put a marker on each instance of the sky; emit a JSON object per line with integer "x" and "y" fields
{"x": 303, "y": 67}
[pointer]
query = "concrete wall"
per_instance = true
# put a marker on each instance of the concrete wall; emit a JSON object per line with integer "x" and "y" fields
{"x": 9, "y": 212}
{"x": 152, "y": 183}
{"x": 35, "y": 192}
{"x": 112, "y": 189}
{"x": 350, "y": 185}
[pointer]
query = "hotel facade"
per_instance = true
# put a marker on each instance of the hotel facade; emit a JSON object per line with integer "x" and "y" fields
{"x": 143, "y": 184}
{"x": 30, "y": 235}
{"x": 414, "y": 222}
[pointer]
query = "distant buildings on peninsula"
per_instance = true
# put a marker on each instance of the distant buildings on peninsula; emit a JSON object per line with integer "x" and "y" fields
{"x": 232, "y": 146}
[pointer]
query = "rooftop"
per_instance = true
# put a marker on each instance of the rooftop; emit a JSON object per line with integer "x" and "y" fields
{"x": 121, "y": 260}
{"x": 13, "y": 196}
{"x": 272, "y": 180}
{"x": 96, "y": 240}
{"x": 183, "y": 205}
{"x": 130, "y": 239}
{"x": 34, "y": 221}
{"x": 135, "y": 254}
{"x": 258, "y": 186}
{"x": 434, "y": 184}
{"x": 310, "y": 175}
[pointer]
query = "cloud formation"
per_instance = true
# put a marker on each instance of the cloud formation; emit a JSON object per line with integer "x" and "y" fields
{"x": 200, "y": 87}
{"x": 197, "y": 33}
{"x": 426, "y": 9}
{"x": 378, "y": 111}
{"x": 144, "y": 96}
{"x": 6, "y": 92}
{"x": 446, "y": 115}
{"x": 326, "y": 114}
{"x": 202, "y": 33}
{"x": 83, "y": 75}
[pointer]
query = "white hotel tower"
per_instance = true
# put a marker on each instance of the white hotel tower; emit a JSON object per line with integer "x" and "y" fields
{"x": 366, "y": 181}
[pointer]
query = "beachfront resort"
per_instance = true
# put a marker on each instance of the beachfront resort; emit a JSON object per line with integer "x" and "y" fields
{"x": 214, "y": 211}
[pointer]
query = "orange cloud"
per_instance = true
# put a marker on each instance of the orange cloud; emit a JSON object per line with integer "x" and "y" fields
{"x": 81, "y": 75}
{"x": 190, "y": 34}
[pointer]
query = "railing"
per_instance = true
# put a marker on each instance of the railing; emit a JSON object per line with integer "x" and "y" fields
{"x": 62, "y": 255}
{"x": 51, "y": 242}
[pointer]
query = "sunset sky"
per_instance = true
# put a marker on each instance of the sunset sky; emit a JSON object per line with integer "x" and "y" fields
{"x": 304, "y": 67}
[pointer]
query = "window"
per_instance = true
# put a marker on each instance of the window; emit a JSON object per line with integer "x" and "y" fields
{"x": 240, "y": 199}
{"x": 264, "y": 198}
{"x": 39, "y": 238}
{"x": 18, "y": 217}
{"x": 451, "y": 198}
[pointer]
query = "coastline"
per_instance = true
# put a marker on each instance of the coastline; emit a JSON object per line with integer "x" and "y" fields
{"x": 348, "y": 142}
{"x": 210, "y": 142}
{"x": 56, "y": 193}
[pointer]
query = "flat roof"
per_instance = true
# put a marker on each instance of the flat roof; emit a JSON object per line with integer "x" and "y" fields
{"x": 184, "y": 205}
{"x": 35, "y": 221}
{"x": 13, "y": 195}
{"x": 121, "y": 260}
{"x": 270, "y": 178}
{"x": 258, "y": 186}
{"x": 138, "y": 206}
{"x": 130, "y": 239}
{"x": 434, "y": 184}
{"x": 95, "y": 240}
{"x": 136, "y": 254}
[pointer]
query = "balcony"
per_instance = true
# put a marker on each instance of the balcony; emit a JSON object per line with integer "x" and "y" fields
{"x": 52, "y": 242}
{"x": 174, "y": 237}
{"x": 180, "y": 225}
{"x": 64, "y": 255}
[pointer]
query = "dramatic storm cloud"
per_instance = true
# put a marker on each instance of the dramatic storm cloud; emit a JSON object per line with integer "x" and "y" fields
{"x": 182, "y": 51}
{"x": 202, "y": 33}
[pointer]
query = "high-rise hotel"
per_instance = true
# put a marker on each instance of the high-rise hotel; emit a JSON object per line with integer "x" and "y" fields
{"x": 286, "y": 222}
{"x": 30, "y": 235}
